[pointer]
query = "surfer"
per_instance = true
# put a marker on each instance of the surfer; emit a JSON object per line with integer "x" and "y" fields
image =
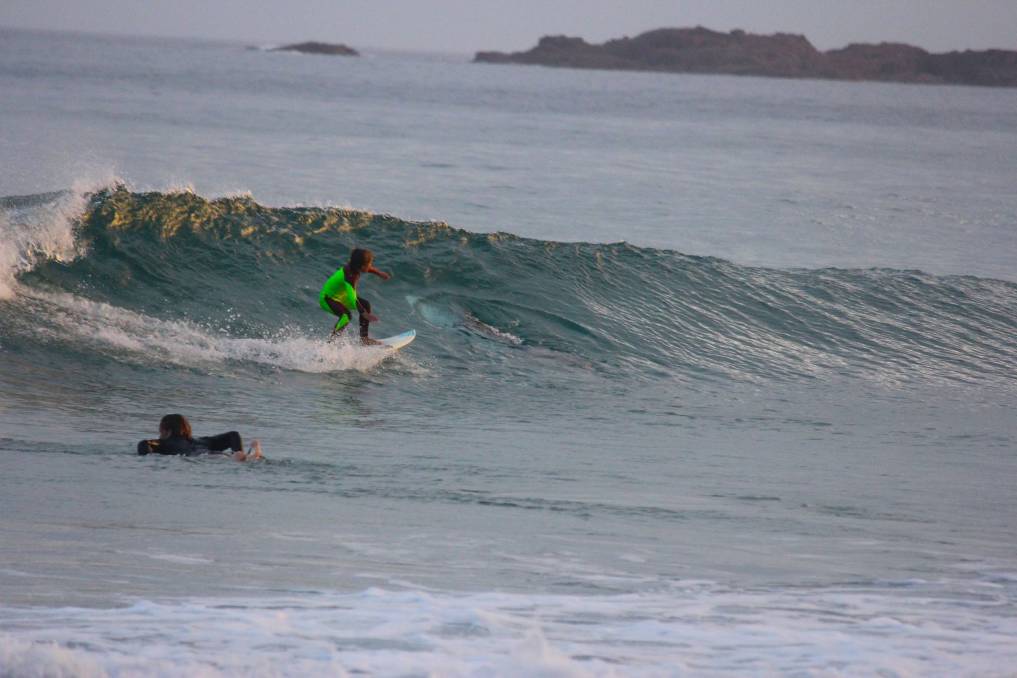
{"x": 175, "y": 438}
{"x": 339, "y": 294}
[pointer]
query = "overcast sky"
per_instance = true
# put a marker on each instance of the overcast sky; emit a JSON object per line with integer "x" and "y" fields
{"x": 470, "y": 25}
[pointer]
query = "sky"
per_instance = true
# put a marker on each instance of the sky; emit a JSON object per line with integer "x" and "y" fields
{"x": 466, "y": 26}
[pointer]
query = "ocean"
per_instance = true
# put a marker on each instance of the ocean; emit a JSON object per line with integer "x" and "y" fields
{"x": 714, "y": 375}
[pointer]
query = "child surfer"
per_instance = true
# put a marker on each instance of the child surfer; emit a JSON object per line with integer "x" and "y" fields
{"x": 339, "y": 294}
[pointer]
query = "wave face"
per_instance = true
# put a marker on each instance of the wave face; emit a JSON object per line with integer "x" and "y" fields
{"x": 180, "y": 279}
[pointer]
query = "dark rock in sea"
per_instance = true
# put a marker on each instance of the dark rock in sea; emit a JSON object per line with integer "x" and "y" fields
{"x": 318, "y": 48}
{"x": 784, "y": 55}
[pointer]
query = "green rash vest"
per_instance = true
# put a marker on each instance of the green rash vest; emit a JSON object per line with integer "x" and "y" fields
{"x": 337, "y": 288}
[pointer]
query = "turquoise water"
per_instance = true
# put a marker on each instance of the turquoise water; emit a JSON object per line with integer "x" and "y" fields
{"x": 713, "y": 375}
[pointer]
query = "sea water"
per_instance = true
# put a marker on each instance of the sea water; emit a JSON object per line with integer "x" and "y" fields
{"x": 714, "y": 375}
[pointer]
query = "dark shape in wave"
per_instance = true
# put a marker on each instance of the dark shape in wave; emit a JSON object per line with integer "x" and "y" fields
{"x": 783, "y": 55}
{"x": 318, "y": 48}
{"x": 619, "y": 308}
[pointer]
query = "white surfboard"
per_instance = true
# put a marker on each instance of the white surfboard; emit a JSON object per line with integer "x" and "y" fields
{"x": 399, "y": 340}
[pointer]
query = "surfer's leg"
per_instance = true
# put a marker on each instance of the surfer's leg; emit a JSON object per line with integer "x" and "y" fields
{"x": 230, "y": 440}
{"x": 342, "y": 312}
{"x": 365, "y": 321}
{"x": 365, "y": 316}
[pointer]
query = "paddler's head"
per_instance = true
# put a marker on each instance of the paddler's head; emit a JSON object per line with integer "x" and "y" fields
{"x": 174, "y": 426}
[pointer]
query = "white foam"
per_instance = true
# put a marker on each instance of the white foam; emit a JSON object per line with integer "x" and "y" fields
{"x": 145, "y": 339}
{"x": 26, "y": 659}
{"x": 700, "y": 629}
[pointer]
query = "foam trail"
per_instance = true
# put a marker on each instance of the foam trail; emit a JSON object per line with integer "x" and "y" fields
{"x": 116, "y": 330}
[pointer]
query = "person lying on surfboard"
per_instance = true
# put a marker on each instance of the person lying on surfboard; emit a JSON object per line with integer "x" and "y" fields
{"x": 175, "y": 437}
{"x": 339, "y": 294}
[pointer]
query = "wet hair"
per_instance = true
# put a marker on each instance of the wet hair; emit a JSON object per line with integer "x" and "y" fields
{"x": 176, "y": 424}
{"x": 360, "y": 260}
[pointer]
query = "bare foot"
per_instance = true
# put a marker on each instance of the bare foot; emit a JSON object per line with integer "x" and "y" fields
{"x": 368, "y": 341}
{"x": 253, "y": 453}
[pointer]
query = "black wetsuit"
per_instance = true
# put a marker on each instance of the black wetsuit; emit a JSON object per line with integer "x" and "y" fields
{"x": 193, "y": 446}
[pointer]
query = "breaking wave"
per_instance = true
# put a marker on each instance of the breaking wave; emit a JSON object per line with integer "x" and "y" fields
{"x": 177, "y": 278}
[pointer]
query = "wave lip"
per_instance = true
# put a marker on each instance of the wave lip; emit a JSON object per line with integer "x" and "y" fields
{"x": 36, "y": 229}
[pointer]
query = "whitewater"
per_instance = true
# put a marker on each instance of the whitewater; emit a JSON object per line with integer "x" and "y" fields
{"x": 713, "y": 376}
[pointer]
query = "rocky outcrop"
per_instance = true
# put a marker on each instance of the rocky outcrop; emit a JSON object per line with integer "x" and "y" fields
{"x": 318, "y": 48}
{"x": 700, "y": 50}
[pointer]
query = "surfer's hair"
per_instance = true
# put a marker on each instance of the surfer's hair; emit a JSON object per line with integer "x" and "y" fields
{"x": 360, "y": 260}
{"x": 176, "y": 425}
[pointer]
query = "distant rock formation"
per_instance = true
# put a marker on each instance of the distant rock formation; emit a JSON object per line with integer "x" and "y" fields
{"x": 318, "y": 48}
{"x": 782, "y": 55}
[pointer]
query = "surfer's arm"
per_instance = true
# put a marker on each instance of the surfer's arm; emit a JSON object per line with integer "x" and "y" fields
{"x": 380, "y": 273}
{"x": 148, "y": 447}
